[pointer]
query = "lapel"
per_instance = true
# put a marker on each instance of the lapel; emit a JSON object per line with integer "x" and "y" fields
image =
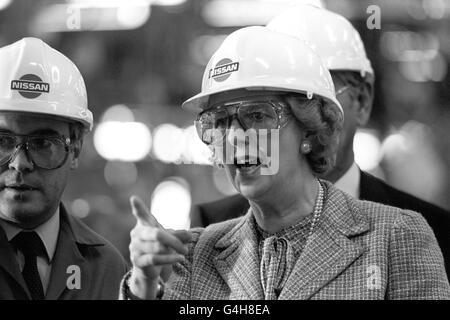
{"x": 330, "y": 249}
{"x": 238, "y": 261}
{"x": 9, "y": 263}
{"x": 73, "y": 236}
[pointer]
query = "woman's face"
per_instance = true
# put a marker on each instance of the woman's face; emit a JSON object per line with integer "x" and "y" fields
{"x": 263, "y": 171}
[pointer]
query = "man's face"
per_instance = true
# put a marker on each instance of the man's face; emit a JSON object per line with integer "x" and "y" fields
{"x": 355, "y": 97}
{"x": 349, "y": 105}
{"x": 30, "y": 195}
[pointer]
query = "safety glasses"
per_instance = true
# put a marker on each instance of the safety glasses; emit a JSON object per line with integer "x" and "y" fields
{"x": 212, "y": 124}
{"x": 343, "y": 89}
{"x": 46, "y": 152}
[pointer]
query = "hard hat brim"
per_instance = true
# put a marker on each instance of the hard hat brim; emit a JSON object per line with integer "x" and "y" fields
{"x": 199, "y": 102}
{"x": 53, "y": 110}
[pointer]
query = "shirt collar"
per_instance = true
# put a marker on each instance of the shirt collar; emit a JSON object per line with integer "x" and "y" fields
{"x": 349, "y": 182}
{"x": 48, "y": 232}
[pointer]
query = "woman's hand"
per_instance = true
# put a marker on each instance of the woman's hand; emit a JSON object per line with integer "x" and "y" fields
{"x": 153, "y": 251}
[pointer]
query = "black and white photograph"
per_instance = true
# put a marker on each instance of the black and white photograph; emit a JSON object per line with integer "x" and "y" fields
{"x": 224, "y": 153}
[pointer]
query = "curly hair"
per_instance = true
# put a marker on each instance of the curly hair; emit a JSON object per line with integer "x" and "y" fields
{"x": 323, "y": 123}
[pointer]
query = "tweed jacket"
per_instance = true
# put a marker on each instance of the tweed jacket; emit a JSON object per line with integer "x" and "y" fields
{"x": 359, "y": 250}
{"x": 371, "y": 189}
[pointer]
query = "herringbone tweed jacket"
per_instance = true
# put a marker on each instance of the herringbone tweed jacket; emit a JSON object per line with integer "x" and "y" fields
{"x": 359, "y": 250}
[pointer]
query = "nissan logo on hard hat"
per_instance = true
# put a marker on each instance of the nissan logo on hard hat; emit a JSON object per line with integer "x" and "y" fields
{"x": 223, "y": 69}
{"x": 30, "y": 86}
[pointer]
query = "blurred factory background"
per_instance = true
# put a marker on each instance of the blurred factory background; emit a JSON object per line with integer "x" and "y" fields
{"x": 142, "y": 58}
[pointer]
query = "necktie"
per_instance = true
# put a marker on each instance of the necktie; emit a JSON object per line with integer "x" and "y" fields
{"x": 30, "y": 244}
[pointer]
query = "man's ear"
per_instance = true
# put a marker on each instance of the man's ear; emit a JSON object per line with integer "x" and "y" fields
{"x": 365, "y": 101}
{"x": 76, "y": 150}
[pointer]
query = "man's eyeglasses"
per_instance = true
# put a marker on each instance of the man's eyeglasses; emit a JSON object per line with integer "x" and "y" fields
{"x": 348, "y": 85}
{"x": 343, "y": 89}
{"x": 212, "y": 124}
{"x": 45, "y": 152}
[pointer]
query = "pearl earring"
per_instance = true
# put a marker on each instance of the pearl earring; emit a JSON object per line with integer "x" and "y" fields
{"x": 305, "y": 147}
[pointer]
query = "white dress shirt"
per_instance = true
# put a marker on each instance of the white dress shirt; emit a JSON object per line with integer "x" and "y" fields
{"x": 48, "y": 232}
{"x": 350, "y": 181}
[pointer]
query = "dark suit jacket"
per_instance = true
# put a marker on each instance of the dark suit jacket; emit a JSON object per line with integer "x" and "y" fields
{"x": 371, "y": 189}
{"x": 79, "y": 250}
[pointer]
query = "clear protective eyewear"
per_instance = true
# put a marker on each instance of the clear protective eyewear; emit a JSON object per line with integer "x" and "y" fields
{"x": 212, "y": 123}
{"x": 343, "y": 89}
{"x": 45, "y": 152}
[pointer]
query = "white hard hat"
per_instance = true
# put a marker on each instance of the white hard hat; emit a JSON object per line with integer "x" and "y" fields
{"x": 256, "y": 58}
{"x": 36, "y": 78}
{"x": 330, "y": 34}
